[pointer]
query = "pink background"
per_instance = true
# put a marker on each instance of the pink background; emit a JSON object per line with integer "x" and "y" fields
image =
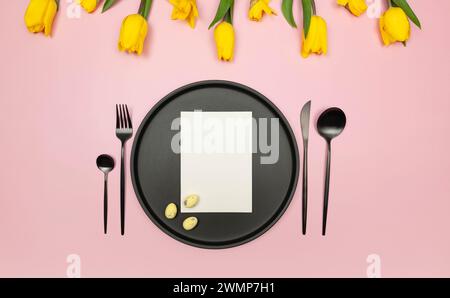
{"x": 390, "y": 193}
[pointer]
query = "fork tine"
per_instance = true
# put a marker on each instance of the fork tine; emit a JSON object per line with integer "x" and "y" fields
{"x": 128, "y": 117}
{"x": 117, "y": 117}
{"x": 121, "y": 116}
{"x": 125, "y": 123}
{"x": 124, "y": 117}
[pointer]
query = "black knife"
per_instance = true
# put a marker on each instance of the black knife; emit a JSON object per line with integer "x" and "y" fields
{"x": 304, "y": 122}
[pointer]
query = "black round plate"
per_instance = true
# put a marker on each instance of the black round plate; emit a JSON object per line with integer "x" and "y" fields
{"x": 155, "y": 168}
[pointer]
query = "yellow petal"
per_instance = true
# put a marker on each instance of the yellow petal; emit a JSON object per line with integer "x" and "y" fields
{"x": 342, "y": 2}
{"x": 194, "y": 9}
{"x": 184, "y": 10}
{"x": 384, "y": 35}
{"x": 49, "y": 17}
{"x": 268, "y": 10}
{"x": 396, "y": 23}
{"x": 258, "y": 8}
{"x": 191, "y": 20}
{"x": 323, "y": 36}
{"x": 316, "y": 46}
{"x": 174, "y": 15}
{"x": 311, "y": 38}
{"x": 304, "y": 50}
{"x": 357, "y": 7}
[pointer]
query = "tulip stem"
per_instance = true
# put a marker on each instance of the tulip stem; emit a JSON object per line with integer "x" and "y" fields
{"x": 229, "y": 15}
{"x": 144, "y": 8}
{"x": 228, "y": 18}
{"x": 313, "y": 5}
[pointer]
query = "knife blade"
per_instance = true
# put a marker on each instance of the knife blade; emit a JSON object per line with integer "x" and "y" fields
{"x": 304, "y": 122}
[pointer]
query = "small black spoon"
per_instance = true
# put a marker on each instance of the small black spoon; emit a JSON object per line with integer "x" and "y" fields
{"x": 329, "y": 125}
{"x": 106, "y": 164}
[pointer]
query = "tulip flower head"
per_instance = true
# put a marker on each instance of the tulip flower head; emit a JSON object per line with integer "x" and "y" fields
{"x": 39, "y": 16}
{"x": 316, "y": 39}
{"x": 132, "y": 34}
{"x": 356, "y": 7}
{"x": 185, "y": 10}
{"x": 88, "y": 5}
{"x": 394, "y": 26}
{"x": 224, "y": 37}
{"x": 258, "y": 8}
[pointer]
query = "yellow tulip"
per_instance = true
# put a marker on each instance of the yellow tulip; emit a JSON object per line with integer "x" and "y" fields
{"x": 224, "y": 37}
{"x": 356, "y": 7}
{"x": 185, "y": 10}
{"x": 394, "y": 26}
{"x": 39, "y": 16}
{"x": 316, "y": 41}
{"x": 132, "y": 34}
{"x": 258, "y": 8}
{"x": 88, "y": 5}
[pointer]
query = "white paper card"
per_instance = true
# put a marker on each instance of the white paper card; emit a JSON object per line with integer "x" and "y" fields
{"x": 216, "y": 161}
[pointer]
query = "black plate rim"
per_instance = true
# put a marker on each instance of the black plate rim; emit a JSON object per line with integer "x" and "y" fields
{"x": 200, "y": 84}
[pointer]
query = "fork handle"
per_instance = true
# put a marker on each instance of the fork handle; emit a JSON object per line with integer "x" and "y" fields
{"x": 122, "y": 191}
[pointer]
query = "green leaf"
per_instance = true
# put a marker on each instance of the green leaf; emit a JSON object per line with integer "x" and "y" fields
{"x": 223, "y": 8}
{"x": 408, "y": 10}
{"x": 108, "y": 4}
{"x": 144, "y": 8}
{"x": 286, "y": 9}
{"x": 307, "y": 13}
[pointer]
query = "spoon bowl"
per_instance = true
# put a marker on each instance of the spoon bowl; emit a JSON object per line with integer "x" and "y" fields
{"x": 105, "y": 163}
{"x": 330, "y": 124}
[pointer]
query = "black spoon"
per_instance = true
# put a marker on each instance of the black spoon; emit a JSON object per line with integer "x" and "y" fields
{"x": 329, "y": 125}
{"x": 105, "y": 163}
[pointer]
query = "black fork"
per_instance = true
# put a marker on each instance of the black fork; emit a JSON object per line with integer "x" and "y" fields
{"x": 124, "y": 131}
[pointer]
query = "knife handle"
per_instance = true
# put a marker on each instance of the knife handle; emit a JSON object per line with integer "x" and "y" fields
{"x": 305, "y": 187}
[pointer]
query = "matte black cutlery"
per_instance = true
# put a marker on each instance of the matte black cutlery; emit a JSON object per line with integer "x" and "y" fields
{"x": 124, "y": 131}
{"x": 106, "y": 164}
{"x": 329, "y": 125}
{"x": 304, "y": 121}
